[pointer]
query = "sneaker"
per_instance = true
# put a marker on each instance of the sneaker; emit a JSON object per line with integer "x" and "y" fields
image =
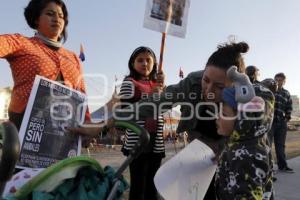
{"x": 286, "y": 169}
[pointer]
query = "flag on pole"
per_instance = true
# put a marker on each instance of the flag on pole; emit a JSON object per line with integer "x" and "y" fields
{"x": 81, "y": 55}
{"x": 181, "y": 73}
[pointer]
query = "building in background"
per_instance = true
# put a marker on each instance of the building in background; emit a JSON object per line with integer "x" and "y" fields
{"x": 171, "y": 120}
{"x": 294, "y": 123}
{"x": 104, "y": 113}
{"x": 296, "y": 105}
{"x": 5, "y": 95}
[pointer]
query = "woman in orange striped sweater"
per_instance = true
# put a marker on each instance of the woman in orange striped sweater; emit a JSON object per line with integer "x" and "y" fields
{"x": 41, "y": 54}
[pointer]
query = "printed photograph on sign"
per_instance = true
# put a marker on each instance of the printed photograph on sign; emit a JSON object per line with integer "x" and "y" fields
{"x": 169, "y": 10}
{"x": 51, "y": 109}
{"x": 168, "y": 16}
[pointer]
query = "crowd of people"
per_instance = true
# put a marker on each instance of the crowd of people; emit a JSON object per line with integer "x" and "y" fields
{"x": 242, "y": 146}
{"x": 282, "y": 113}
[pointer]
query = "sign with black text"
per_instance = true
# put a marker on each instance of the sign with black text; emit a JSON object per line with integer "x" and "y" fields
{"x": 51, "y": 108}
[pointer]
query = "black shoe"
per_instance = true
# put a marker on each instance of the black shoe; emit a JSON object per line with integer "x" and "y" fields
{"x": 286, "y": 169}
{"x": 274, "y": 179}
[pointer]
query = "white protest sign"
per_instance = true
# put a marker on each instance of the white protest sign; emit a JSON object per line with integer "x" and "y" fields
{"x": 188, "y": 174}
{"x": 51, "y": 108}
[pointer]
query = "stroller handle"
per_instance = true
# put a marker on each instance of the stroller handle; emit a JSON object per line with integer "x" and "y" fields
{"x": 10, "y": 152}
{"x": 138, "y": 148}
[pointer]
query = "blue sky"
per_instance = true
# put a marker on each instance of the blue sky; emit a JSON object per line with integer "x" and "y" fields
{"x": 110, "y": 30}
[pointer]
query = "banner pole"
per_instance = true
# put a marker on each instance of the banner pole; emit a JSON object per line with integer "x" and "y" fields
{"x": 162, "y": 49}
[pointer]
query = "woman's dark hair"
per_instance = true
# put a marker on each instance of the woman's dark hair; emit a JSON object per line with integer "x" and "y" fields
{"x": 228, "y": 55}
{"x": 132, "y": 72}
{"x": 251, "y": 72}
{"x": 34, "y": 9}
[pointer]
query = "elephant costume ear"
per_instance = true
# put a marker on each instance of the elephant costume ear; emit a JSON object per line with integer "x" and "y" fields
{"x": 244, "y": 90}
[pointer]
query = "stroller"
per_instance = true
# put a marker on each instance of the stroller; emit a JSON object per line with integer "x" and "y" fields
{"x": 72, "y": 178}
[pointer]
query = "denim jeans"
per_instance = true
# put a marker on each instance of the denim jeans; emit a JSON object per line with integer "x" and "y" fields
{"x": 279, "y": 131}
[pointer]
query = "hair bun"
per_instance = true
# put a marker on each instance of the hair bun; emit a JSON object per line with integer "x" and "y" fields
{"x": 241, "y": 47}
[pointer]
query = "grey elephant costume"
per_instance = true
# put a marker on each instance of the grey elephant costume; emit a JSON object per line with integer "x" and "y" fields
{"x": 245, "y": 167}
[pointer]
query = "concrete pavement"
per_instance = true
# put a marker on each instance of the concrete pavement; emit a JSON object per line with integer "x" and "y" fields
{"x": 287, "y": 186}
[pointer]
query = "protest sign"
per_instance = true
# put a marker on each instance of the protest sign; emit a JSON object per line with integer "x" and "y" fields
{"x": 51, "y": 108}
{"x": 167, "y": 16}
{"x": 188, "y": 174}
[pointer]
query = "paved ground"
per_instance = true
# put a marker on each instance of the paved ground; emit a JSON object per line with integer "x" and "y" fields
{"x": 114, "y": 156}
{"x": 287, "y": 186}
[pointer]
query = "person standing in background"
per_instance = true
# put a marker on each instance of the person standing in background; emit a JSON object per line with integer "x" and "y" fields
{"x": 282, "y": 114}
{"x": 271, "y": 84}
{"x": 252, "y": 73}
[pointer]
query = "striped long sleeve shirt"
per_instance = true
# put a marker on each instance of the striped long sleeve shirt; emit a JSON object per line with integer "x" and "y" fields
{"x": 131, "y": 93}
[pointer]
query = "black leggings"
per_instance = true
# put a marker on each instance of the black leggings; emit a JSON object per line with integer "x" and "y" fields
{"x": 142, "y": 172}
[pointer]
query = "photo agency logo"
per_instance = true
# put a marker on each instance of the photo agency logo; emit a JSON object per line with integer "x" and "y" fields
{"x": 154, "y": 104}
